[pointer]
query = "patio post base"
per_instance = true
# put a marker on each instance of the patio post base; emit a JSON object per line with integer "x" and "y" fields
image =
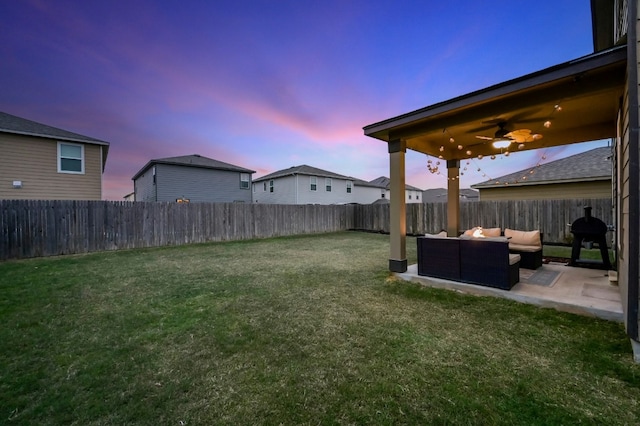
{"x": 398, "y": 265}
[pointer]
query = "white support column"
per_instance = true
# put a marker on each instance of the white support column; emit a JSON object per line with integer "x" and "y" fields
{"x": 398, "y": 213}
{"x": 453, "y": 198}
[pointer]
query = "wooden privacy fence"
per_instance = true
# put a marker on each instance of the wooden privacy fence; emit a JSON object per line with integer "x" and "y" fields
{"x": 551, "y": 217}
{"x": 45, "y": 228}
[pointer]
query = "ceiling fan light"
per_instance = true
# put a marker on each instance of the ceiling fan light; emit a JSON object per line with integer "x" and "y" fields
{"x": 501, "y": 143}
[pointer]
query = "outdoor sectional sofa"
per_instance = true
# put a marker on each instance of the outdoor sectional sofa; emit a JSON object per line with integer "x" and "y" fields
{"x": 483, "y": 261}
{"x": 528, "y": 244}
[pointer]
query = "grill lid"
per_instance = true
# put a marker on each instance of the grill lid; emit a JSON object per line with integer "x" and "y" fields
{"x": 588, "y": 225}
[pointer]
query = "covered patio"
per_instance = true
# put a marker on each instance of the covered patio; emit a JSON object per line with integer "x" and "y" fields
{"x": 573, "y": 102}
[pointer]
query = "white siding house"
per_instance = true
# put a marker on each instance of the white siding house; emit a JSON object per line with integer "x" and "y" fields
{"x": 368, "y": 192}
{"x": 304, "y": 185}
{"x": 411, "y": 193}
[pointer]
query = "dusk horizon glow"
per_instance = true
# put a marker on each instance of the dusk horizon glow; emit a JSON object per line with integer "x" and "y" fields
{"x": 271, "y": 85}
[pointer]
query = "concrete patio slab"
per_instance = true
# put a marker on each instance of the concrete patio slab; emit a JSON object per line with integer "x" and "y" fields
{"x": 577, "y": 290}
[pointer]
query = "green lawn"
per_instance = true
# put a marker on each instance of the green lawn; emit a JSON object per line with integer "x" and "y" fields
{"x": 302, "y": 330}
{"x": 565, "y": 252}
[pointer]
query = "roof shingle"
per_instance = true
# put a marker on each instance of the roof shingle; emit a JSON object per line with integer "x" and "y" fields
{"x": 586, "y": 166}
{"x": 13, "y": 124}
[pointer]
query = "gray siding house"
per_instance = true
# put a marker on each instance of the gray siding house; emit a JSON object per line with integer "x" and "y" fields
{"x": 192, "y": 178}
{"x": 304, "y": 185}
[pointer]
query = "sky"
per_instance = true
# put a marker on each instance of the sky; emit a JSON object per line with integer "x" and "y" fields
{"x": 268, "y": 85}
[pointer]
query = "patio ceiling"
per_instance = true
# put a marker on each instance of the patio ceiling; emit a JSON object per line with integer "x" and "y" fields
{"x": 588, "y": 90}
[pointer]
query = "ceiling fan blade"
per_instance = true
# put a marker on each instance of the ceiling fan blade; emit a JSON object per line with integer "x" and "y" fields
{"x": 524, "y": 135}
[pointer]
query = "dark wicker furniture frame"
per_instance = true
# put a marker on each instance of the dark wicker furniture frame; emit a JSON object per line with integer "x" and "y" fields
{"x": 475, "y": 261}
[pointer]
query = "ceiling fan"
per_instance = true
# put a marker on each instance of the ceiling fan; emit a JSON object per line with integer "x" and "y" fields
{"x": 503, "y": 137}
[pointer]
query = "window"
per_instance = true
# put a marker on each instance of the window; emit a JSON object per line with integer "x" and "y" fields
{"x": 253, "y": 187}
{"x": 417, "y": 197}
{"x": 270, "y": 186}
{"x": 313, "y": 182}
{"x": 264, "y": 186}
{"x": 154, "y": 174}
{"x": 70, "y": 158}
{"x": 382, "y": 195}
{"x": 244, "y": 180}
{"x": 409, "y": 196}
{"x": 327, "y": 184}
{"x": 349, "y": 186}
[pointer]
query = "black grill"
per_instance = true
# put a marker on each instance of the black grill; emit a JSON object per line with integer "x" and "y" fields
{"x": 589, "y": 229}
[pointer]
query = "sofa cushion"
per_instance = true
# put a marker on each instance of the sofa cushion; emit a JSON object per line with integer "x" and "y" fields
{"x": 488, "y": 232}
{"x": 523, "y": 238}
{"x": 441, "y": 234}
{"x": 523, "y": 248}
{"x": 469, "y": 237}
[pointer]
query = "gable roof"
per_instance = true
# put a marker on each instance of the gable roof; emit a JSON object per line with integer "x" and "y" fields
{"x": 588, "y": 89}
{"x": 194, "y": 160}
{"x": 384, "y": 182}
{"x": 439, "y": 195}
{"x": 593, "y": 165}
{"x": 302, "y": 170}
{"x": 21, "y": 126}
{"x": 372, "y": 184}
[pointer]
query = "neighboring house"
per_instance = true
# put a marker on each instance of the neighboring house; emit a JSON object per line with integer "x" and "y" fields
{"x": 369, "y": 192}
{"x": 130, "y": 196}
{"x": 584, "y": 175}
{"x": 304, "y": 185}
{"x": 47, "y": 163}
{"x": 192, "y": 178}
{"x": 439, "y": 195}
{"x": 411, "y": 193}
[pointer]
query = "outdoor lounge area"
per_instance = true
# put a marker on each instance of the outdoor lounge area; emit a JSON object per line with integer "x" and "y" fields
{"x": 584, "y": 291}
{"x": 486, "y": 266}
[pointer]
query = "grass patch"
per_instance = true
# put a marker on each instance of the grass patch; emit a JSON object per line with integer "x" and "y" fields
{"x": 564, "y": 252}
{"x": 300, "y": 330}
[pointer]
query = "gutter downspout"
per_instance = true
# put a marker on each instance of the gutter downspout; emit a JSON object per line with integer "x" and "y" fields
{"x": 634, "y": 174}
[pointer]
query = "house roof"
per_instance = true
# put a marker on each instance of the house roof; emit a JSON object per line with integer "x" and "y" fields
{"x": 384, "y": 182}
{"x": 360, "y": 182}
{"x": 194, "y": 160}
{"x": 587, "y": 89}
{"x": 303, "y": 170}
{"x": 590, "y": 165}
{"x": 437, "y": 195}
{"x": 21, "y": 126}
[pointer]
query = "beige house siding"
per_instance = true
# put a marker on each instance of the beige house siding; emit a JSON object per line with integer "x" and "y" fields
{"x": 34, "y": 163}
{"x": 595, "y": 189}
{"x": 622, "y": 154}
